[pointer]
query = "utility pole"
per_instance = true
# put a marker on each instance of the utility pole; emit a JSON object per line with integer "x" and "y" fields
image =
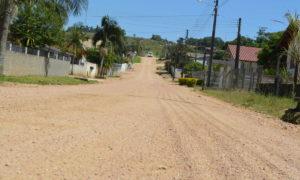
{"x": 204, "y": 60}
{"x": 237, "y": 55}
{"x": 186, "y": 36}
{"x": 212, "y": 43}
{"x": 185, "y": 55}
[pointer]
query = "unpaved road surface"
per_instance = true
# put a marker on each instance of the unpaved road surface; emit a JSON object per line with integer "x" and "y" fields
{"x": 138, "y": 127}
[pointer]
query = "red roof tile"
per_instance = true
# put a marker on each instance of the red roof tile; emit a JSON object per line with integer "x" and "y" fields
{"x": 246, "y": 53}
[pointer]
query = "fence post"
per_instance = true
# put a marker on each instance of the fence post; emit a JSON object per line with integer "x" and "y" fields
{"x": 259, "y": 77}
{"x": 56, "y": 56}
{"x": 221, "y": 77}
{"x": 26, "y": 50}
{"x": 63, "y": 58}
{"x": 38, "y": 52}
{"x": 251, "y": 77}
{"x": 10, "y": 46}
{"x": 243, "y": 75}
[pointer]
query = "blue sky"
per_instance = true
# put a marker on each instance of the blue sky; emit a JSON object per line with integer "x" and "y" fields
{"x": 171, "y": 18}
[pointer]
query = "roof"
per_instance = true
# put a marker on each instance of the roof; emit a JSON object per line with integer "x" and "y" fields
{"x": 246, "y": 53}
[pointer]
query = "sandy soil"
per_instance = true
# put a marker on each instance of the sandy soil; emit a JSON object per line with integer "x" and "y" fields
{"x": 138, "y": 127}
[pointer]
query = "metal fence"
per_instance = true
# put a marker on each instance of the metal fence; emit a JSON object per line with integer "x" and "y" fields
{"x": 50, "y": 52}
{"x": 226, "y": 78}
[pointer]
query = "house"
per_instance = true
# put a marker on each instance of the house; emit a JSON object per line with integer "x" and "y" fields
{"x": 248, "y": 56}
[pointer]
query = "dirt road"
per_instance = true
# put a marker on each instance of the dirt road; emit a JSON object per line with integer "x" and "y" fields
{"x": 139, "y": 127}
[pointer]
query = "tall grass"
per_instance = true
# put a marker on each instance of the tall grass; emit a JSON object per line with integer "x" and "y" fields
{"x": 271, "y": 105}
{"x": 137, "y": 59}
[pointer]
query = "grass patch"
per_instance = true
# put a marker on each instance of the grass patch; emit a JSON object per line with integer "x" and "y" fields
{"x": 42, "y": 80}
{"x": 137, "y": 59}
{"x": 271, "y": 105}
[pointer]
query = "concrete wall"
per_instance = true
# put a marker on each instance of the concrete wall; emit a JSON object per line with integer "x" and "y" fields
{"x": 17, "y": 64}
{"x": 117, "y": 69}
{"x": 86, "y": 70}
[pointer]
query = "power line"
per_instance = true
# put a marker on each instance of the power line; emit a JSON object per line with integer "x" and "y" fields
{"x": 152, "y": 16}
{"x": 224, "y": 3}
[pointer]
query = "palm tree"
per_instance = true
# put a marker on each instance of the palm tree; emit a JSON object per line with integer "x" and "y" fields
{"x": 75, "y": 38}
{"x": 69, "y": 6}
{"x": 294, "y": 45}
{"x": 109, "y": 33}
{"x": 4, "y": 24}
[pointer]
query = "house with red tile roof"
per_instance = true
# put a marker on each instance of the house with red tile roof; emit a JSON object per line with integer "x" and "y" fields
{"x": 248, "y": 55}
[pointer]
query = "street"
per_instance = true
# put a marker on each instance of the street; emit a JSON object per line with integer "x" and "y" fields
{"x": 140, "y": 126}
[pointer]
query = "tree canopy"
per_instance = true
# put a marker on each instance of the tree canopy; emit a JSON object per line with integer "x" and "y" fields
{"x": 269, "y": 54}
{"x": 206, "y": 41}
{"x": 37, "y": 25}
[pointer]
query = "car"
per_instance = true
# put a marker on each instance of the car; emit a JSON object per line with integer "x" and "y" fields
{"x": 150, "y": 54}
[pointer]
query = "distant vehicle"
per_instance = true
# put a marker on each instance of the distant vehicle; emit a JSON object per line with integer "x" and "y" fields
{"x": 150, "y": 54}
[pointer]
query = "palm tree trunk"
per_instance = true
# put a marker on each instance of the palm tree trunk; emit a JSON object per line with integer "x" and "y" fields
{"x": 296, "y": 76}
{"x": 4, "y": 33}
{"x": 101, "y": 67}
{"x": 74, "y": 56}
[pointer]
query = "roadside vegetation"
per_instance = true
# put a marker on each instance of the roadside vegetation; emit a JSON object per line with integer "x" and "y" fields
{"x": 141, "y": 45}
{"x": 271, "y": 105}
{"x": 42, "y": 80}
{"x": 137, "y": 59}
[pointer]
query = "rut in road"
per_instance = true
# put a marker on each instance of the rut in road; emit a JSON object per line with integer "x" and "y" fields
{"x": 138, "y": 127}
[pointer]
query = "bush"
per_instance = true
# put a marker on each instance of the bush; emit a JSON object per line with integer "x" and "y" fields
{"x": 191, "y": 82}
{"x": 137, "y": 59}
{"x": 217, "y": 67}
{"x": 193, "y": 67}
{"x": 182, "y": 81}
{"x": 219, "y": 54}
{"x": 270, "y": 71}
{"x": 127, "y": 60}
{"x": 200, "y": 82}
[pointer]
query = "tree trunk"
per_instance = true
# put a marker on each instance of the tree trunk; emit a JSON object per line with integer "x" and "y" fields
{"x": 74, "y": 56}
{"x": 295, "y": 77}
{"x": 101, "y": 67}
{"x": 4, "y": 33}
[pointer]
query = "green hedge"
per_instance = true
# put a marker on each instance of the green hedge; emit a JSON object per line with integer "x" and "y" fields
{"x": 190, "y": 82}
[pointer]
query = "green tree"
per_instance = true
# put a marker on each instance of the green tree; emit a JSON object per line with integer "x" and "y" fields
{"x": 36, "y": 25}
{"x": 245, "y": 41}
{"x": 178, "y": 55}
{"x": 7, "y": 7}
{"x": 180, "y": 41}
{"x": 192, "y": 67}
{"x": 219, "y": 54}
{"x": 156, "y": 37}
{"x": 263, "y": 37}
{"x": 206, "y": 41}
{"x": 75, "y": 37}
{"x": 111, "y": 36}
{"x": 267, "y": 57}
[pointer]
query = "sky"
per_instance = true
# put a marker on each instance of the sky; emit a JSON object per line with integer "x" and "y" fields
{"x": 171, "y": 18}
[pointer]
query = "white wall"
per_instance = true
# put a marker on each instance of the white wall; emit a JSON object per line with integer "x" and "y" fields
{"x": 117, "y": 69}
{"x": 17, "y": 64}
{"x": 86, "y": 70}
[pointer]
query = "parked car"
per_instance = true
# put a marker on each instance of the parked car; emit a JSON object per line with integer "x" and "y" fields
{"x": 150, "y": 54}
